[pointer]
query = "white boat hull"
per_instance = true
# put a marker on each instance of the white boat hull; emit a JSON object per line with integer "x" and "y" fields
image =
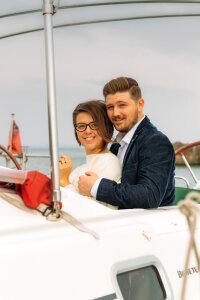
{"x": 53, "y": 260}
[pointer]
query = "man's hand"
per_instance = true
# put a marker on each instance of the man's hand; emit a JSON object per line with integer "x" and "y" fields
{"x": 86, "y": 183}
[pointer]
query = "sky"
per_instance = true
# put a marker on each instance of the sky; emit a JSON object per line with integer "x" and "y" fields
{"x": 161, "y": 54}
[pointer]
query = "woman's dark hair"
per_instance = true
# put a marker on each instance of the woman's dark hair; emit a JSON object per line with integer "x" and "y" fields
{"x": 97, "y": 110}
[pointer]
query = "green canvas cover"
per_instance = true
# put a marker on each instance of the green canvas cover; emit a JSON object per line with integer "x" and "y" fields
{"x": 181, "y": 193}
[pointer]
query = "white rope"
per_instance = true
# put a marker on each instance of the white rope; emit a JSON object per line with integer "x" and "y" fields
{"x": 68, "y": 218}
{"x": 11, "y": 197}
{"x": 190, "y": 208}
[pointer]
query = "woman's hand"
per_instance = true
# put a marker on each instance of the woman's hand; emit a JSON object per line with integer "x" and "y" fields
{"x": 65, "y": 166}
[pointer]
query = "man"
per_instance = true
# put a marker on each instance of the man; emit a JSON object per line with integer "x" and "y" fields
{"x": 146, "y": 154}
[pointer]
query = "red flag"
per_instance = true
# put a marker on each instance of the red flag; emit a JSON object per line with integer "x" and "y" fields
{"x": 14, "y": 141}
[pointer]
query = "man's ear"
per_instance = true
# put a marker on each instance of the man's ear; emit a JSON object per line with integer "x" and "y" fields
{"x": 140, "y": 104}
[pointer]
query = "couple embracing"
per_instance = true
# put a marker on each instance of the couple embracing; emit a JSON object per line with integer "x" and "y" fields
{"x": 138, "y": 169}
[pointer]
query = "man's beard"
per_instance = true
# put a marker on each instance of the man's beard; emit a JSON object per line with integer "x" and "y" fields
{"x": 125, "y": 129}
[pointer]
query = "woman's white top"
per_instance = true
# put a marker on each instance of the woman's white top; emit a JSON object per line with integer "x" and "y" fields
{"x": 105, "y": 165}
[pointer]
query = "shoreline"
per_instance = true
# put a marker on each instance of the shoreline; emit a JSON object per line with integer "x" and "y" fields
{"x": 191, "y": 154}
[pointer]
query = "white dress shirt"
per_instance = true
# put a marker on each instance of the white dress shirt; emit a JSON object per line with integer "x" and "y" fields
{"x": 124, "y": 141}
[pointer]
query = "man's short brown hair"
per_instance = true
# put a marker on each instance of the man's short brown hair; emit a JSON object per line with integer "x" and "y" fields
{"x": 123, "y": 84}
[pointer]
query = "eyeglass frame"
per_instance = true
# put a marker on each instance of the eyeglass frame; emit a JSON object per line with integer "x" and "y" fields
{"x": 86, "y": 125}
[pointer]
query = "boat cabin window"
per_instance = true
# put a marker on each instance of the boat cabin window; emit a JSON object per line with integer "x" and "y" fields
{"x": 141, "y": 278}
{"x": 143, "y": 283}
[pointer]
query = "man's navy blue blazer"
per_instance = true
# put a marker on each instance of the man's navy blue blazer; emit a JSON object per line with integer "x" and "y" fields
{"x": 147, "y": 173}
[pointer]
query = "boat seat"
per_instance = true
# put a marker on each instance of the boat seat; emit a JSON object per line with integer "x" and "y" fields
{"x": 181, "y": 192}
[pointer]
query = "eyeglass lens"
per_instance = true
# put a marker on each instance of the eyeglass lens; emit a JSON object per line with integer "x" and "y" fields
{"x": 83, "y": 126}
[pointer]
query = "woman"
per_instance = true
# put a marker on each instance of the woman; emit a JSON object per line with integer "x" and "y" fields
{"x": 93, "y": 130}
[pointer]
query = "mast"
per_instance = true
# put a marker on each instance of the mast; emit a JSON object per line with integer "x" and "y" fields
{"x": 48, "y": 11}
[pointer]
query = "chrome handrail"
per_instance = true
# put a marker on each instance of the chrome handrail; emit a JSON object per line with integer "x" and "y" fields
{"x": 48, "y": 11}
{"x": 184, "y": 179}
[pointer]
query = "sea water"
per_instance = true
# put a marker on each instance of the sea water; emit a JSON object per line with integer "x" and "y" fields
{"x": 42, "y": 164}
{"x": 40, "y": 160}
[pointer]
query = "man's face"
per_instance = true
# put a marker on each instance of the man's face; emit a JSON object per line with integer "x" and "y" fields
{"x": 123, "y": 111}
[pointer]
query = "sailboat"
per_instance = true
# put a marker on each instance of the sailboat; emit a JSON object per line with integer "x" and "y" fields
{"x": 99, "y": 253}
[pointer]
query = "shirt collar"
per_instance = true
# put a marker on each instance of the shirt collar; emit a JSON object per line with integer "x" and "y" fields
{"x": 126, "y": 138}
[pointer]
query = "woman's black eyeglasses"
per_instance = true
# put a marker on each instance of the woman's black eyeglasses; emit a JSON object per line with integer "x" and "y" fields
{"x": 82, "y": 126}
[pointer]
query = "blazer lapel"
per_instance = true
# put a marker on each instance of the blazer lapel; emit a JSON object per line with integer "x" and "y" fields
{"x": 136, "y": 134}
{"x": 114, "y": 148}
{"x": 130, "y": 146}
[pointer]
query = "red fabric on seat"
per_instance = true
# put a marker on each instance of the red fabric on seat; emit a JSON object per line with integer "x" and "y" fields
{"x": 36, "y": 189}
